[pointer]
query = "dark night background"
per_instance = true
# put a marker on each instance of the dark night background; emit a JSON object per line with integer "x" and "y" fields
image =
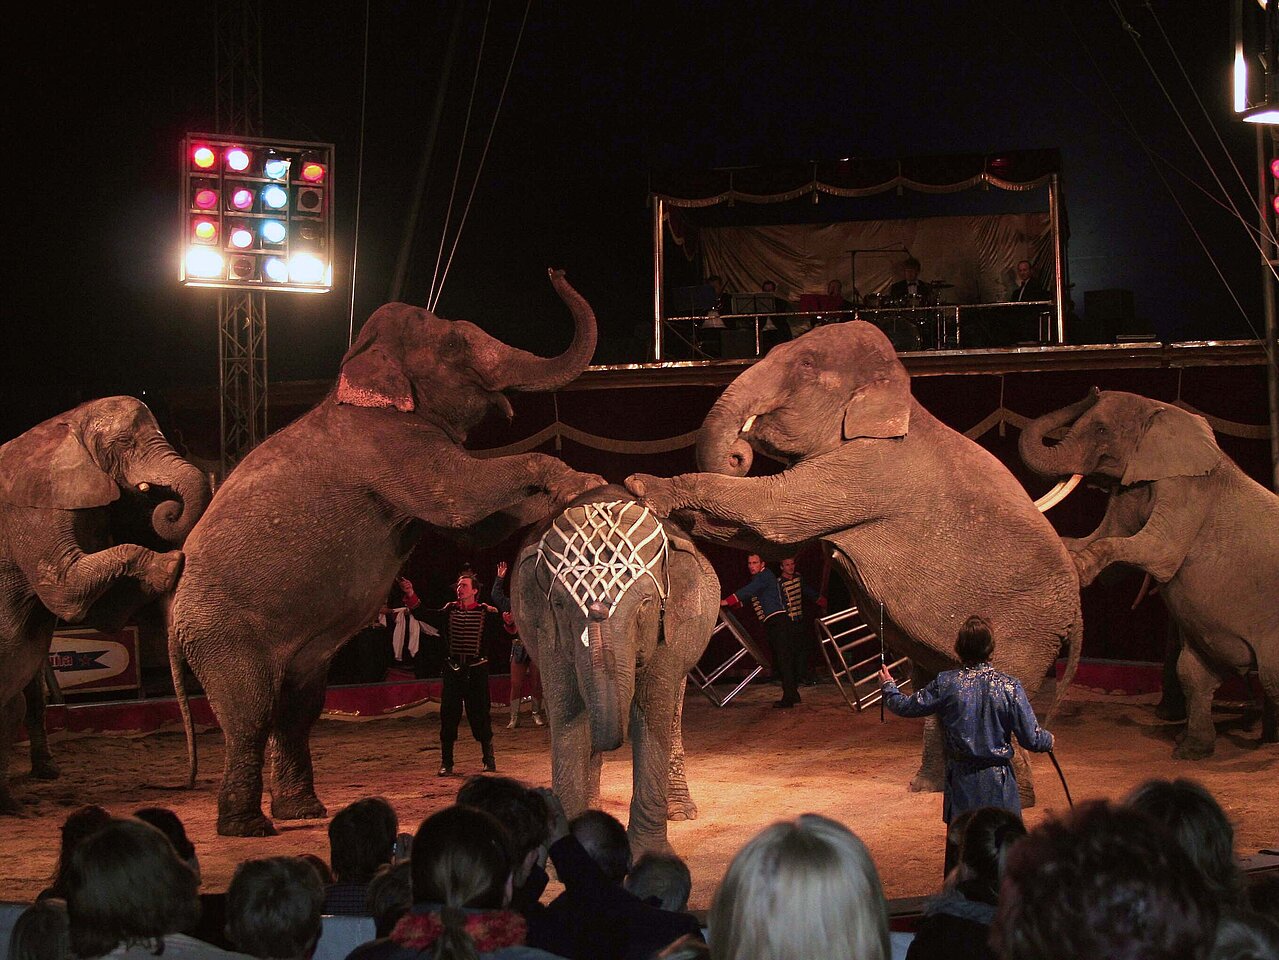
{"x": 600, "y": 95}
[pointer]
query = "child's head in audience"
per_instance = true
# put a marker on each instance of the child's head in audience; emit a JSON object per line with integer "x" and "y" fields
{"x": 273, "y": 908}
{"x": 801, "y": 888}
{"x": 989, "y": 833}
{"x": 361, "y": 839}
{"x": 663, "y": 879}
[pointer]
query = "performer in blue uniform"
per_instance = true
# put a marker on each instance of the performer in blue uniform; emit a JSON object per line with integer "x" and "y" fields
{"x": 769, "y": 603}
{"x": 980, "y": 710}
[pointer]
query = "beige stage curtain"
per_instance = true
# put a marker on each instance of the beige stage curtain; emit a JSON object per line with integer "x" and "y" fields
{"x": 975, "y": 254}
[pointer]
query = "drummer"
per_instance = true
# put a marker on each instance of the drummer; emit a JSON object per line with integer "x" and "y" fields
{"x": 911, "y": 291}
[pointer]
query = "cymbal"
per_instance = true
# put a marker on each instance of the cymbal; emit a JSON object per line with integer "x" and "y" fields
{"x": 941, "y": 285}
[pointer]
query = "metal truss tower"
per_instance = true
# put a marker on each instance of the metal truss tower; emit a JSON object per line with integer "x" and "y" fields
{"x": 242, "y": 383}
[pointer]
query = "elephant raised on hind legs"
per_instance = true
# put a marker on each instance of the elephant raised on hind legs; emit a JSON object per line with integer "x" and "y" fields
{"x": 616, "y": 606}
{"x": 300, "y": 545}
{"x": 91, "y": 503}
{"x": 918, "y": 517}
{"x": 1181, "y": 510}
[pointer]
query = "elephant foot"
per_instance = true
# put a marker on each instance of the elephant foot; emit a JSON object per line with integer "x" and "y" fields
{"x": 924, "y": 783}
{"x": 299, "y": 808}
{"x": 161, "y": 574}
{"x": 681, "y": 808}
{"x": 1188, "y": 749}
{"x": 45, "y": 769}
{"x": 248, "y": 825}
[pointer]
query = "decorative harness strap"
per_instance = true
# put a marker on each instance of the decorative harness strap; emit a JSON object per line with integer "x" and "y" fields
{"x": 597, "y": 550}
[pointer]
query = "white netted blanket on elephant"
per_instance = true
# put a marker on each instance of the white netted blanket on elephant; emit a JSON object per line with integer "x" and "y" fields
{"x": 597, "y": 550}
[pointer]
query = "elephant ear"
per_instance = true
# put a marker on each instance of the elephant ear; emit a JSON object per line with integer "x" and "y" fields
{"x": 373, "y": 370}
{"x": 880, "y": 408}
{"x": 49, "y": 467}
{"x": 1173, "y": 443}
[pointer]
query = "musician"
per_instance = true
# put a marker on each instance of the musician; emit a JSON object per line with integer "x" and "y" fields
{"x": 906, "y": 290}
{"x": 1028, "y": 287}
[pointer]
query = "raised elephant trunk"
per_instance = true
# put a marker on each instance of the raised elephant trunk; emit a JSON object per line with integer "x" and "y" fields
{"x": 601, "y": 688}
{"x": 1063, "y": 459}
{"x": 173, "y": 519}
{"x": 720, "y": 446}
{"x": 528, "y": 372}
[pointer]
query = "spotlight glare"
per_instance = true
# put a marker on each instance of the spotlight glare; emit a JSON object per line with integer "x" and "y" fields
{"x": 276, "y": 169}
{"x": 203, "y": 262}
{"x": 273, "y": 231}
{"x": 241, "y": 237}
{"x": 312, "y": 172}
{"x": 237, "y": 159}
{"x": 306, "y": 268}
{"x": 206, "y": 230}
{"x": 276, "y": 270}
{"x": 203, "y": 157}
{"x": 275, "y": 197}
{"x": 206, "y": 199}
{"x": 242, "y": 198}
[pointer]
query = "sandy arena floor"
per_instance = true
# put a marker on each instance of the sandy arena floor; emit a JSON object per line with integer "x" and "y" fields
{"x": 748, "y": 765}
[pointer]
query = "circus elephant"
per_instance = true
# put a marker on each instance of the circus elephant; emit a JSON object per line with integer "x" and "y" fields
{"x": 1181, "y": 510}
{"x": 616, "y": 606}
{"x": 300, "y": 545}
{"x": 918, "y": 518}
{"x": 93, "y": 504}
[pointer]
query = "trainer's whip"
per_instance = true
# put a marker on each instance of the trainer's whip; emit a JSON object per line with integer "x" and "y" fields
{"x": 883, "y": 661}
{"x": 1053, "y": 757}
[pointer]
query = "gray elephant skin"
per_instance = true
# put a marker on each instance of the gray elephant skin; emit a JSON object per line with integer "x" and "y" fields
{"x": 1182, "y": 511}
{"x": 299, "y": 547}
{"x": 84, "y": 497}
{"x": 918, "y": 518}
{"x": 616, "y": 606}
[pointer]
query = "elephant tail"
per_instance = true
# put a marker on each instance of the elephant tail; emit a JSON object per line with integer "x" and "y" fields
{"x": 1075, "y": 644}
{"x": 184, "y": 706}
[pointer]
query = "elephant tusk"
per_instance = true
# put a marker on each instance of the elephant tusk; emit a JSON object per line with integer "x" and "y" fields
{"x": 143, "y": 487}
{"x": 1058, "y": 493}
{"x": 750, "y": 422}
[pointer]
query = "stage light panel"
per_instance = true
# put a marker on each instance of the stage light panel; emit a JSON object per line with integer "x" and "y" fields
{"x": 256, "y": 214}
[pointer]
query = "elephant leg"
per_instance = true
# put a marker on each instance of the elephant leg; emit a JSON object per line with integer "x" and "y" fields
{"x": 931, "y": 776}
{"x": 10, "y": 714}
{"x": 1199, "y": 683}
{"x": 292, "y": 781}
{"x": 595, "y": 766}
{"x": 1268, "y": 673}
{"x": 242, "y": 693}
{"x": 1025, "y": 777}
{"x": 651, "y": 752}
{"x": 570, "y": 756}
{"x": 70, "y": 586}
{"x": 42, "y": 765}
{"x": 679, "y": 802}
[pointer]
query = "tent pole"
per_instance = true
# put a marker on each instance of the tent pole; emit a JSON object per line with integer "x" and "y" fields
{"x": 1059, "y": 287}
{"x": 659, "y": 213}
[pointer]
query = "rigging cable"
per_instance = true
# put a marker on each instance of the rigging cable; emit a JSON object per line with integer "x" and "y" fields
{"x": 436, "y": 279}
{"x": 484, "y": 154}
{"x": 359, "y": 179}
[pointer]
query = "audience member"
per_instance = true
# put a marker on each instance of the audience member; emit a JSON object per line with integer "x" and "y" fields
{"x": 1263, "y": 895}
{"x": 321, "y": 867}
{"x": 1104, "y": 881}
{"x": 601, "y": 919}
{"x": 79, "y": 825}
{"x": 524, "y": 814}
{"x": 361, "y": 839}
{"x": 168, "y": 823}
{"x": 461, "y": 867}
{"x": 128, "y": 895}
{"x": 979, "y": 710}
{"x": 956, "y": 924}
{"x": 661, "y": 880}
{"x": 1192, "y": 815}
{"x": 273, "y": 908}
{"x": 41, "y": 932}
{"x": 1246, "y": 936}
{"x": 390, "y": 895}
{"x": 769, "y": 604}
{"x": 801, "y": 888}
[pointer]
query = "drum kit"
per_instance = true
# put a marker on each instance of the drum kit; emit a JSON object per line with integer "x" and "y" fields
{"x": 907, "y": 321}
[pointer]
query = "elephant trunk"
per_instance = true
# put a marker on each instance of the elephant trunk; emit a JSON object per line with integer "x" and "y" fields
{"x": 173, "y": 519}
{"x": 528, "y": 372}
{"x": 603, "y": 685}
{"x": 1063, "y": 459}
{"x": 720, "y": 445}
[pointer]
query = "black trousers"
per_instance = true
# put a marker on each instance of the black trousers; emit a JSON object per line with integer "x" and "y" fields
{"x": 782, "y": 637}
{"x": 466, "y": 686}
